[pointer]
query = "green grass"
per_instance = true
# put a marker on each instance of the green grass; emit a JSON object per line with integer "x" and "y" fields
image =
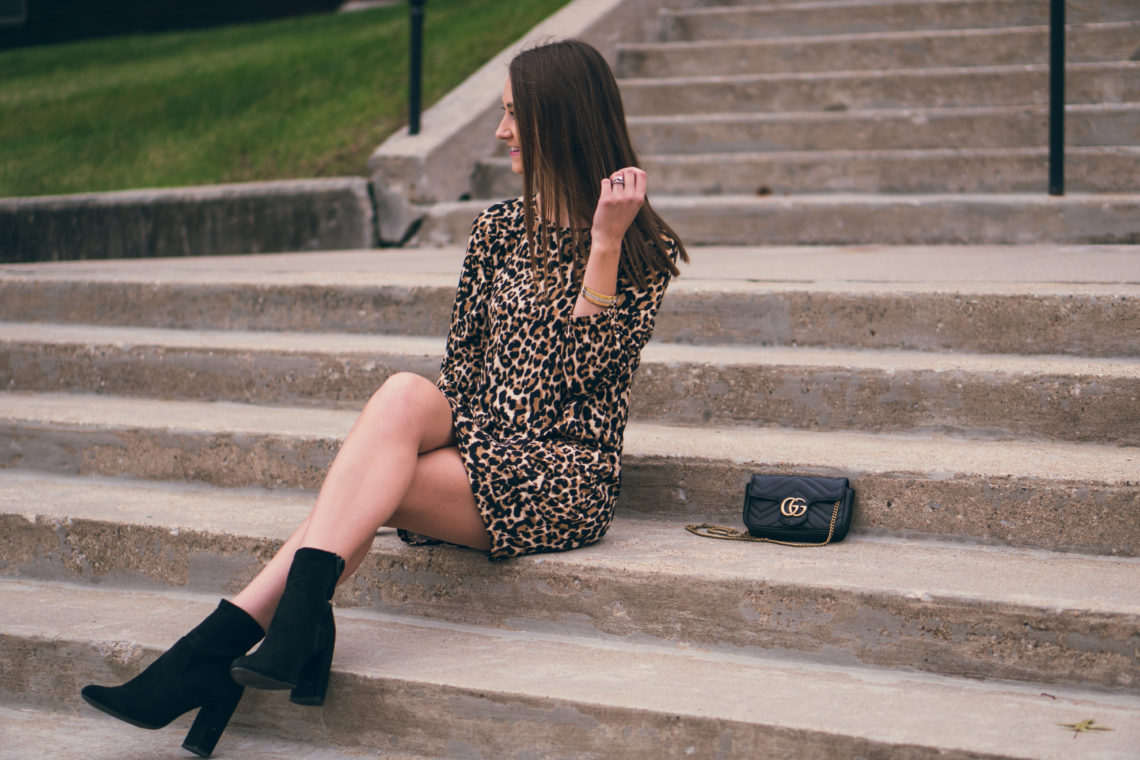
{"x": 303, "y": 97}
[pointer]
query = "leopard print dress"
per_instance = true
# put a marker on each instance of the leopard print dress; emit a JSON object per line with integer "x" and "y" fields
{"x": 540, "y": 398}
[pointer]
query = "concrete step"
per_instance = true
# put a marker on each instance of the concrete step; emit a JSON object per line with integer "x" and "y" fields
{"x": 757, "y": 21}
{"x": 447, "y": 691}
{"x": 942, "y": 170}
{"x": 1084, "y": 43}
{"x": 1050, "y": 397}
{"x": 440, "y": 690}
{"x": 934, "y": 128}
{"x": 1064, "y": 496}
{"x": 1042, "y": 299}
{"x": 984, "y": 170}
{"x": 407, "y": 290}
{"x": 689, "y": 4}
{"x": 906, "y": 219}
{"x": 324, "y": 369}
{"x": 1020, "y": 85}
{"x": 52, "y": 735}
{"x": 865, "y": 219}
{"x": 1040, "y": 624}
{"x": 890, "y": 392}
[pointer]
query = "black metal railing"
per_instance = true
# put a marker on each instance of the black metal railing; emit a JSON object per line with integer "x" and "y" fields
{"x": 415, "y": 65}
{"x": 1057, "y": 97}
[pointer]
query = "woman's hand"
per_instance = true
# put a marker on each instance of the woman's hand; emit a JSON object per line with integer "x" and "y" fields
{"x": 623, "y": 192}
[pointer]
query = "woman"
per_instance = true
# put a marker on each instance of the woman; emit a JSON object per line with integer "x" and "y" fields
{"x": 516, "y": 449}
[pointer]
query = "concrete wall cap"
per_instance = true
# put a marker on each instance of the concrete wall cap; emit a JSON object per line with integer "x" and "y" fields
{"x": 357, "y": 185}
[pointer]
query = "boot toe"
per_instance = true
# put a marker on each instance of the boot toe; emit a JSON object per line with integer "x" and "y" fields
{"x": 102, "y": 698}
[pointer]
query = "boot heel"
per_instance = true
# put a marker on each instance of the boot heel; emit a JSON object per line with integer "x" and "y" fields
{"x": 313, "y": 680}
{"x": 208, "y": 726}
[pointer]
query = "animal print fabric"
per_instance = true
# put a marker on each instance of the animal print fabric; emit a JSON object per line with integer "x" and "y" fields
{"x": 540, "y": 398}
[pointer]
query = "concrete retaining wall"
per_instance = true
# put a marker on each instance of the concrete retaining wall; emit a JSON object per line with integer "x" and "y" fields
{"x": 257, "y": 217}
{"x": 408, "y": 172}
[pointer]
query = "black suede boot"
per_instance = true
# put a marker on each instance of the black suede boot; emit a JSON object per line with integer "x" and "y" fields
{"x": 195, "y": 672}
{"x": 298, "y": 647}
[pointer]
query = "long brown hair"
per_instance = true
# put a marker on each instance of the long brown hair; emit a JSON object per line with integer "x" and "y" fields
{"x": 572, "y": 134}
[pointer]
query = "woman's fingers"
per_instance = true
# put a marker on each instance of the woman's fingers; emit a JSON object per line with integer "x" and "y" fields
{"x": 622, "y": 194}
{"x": 627, "y": 185}
{"x": 628, "y": 179}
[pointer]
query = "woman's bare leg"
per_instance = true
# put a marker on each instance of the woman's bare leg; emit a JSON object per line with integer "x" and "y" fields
{"x": 398, "y": 466}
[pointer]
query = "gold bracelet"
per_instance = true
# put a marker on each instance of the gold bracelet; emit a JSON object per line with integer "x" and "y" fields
{"x": 596, "y": 298}
{"x": 596, "y": 302}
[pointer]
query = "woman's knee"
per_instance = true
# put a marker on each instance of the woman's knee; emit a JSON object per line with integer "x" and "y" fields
{"x": 404, "y": 398}
{"x": 401, "y": 391}
{"x": 405, "y": 384}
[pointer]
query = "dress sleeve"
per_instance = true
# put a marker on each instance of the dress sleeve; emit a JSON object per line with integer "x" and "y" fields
{"x": 462, "y": 369}
{"x": 600, "y": 347}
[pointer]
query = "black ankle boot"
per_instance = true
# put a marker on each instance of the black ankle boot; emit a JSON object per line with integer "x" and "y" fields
{"x": 195, "y": 672}
{"x": 298, "y": 646}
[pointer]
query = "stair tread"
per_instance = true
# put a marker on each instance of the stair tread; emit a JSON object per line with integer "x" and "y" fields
{"x": 793, "y": 39}
{"x": 581, "y": 672}
{"x": 997, "y": 199}
{"x": 909, "y": 568}
{"x": 873, "y": 199}
{"x": 961, "y": 71}
{"x": 344, "y": 344}
{"x": 1116, "y": 151}
{"x": 1014, "y": 269}
{"x": 844, "y": 451}
{"x": 53, "y": 735}
{"x": 288, "y": 342}
{"x": 850, "y": 219}
{"x": 254, "y": 512}
{"x": 985, "y": 11}
{"x": 818, "y": 5}
{"x": 831, "y": 154}
{"x": 749, "y": 117}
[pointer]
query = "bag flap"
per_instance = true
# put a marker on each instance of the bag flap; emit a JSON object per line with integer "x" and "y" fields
{"x": 811, "y": 489}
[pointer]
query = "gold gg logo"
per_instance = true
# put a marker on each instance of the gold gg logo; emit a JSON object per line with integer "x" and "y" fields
{"x": 793, "y": 506}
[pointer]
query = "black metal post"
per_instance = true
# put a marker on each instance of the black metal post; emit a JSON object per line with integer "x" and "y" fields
{"x": 1057, "y": 97}
{"x": 415, "y": 64}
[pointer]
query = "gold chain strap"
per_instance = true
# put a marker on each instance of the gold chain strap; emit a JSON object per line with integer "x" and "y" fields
{"x": 731, "y": 534}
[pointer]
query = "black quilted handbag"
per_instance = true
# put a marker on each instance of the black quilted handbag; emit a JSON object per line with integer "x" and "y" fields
{"x": 794, "y": 510}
